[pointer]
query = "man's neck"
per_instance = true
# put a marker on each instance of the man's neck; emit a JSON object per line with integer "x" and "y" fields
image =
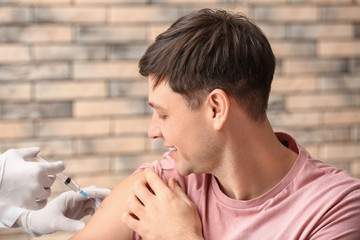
{"x": 255, "y": 161}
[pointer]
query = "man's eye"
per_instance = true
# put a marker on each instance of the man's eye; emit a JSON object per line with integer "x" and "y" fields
{"x": 162, "y": 117}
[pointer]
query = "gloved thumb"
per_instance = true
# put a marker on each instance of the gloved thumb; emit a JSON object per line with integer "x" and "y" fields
{"x": 28, "y": 153}
{"x": 70, "y": 225}
{"x": 54, "y": 167}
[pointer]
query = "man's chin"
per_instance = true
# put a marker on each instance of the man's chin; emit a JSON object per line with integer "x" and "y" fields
{"x": 179, "y": 164}
{"x": 183, "y": 171}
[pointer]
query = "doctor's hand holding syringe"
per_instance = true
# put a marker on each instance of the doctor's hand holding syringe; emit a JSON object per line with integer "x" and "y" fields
{"x": 25, "y": 186}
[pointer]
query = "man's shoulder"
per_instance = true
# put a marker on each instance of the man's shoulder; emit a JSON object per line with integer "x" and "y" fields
{"x": 166, "y": 169}
{"x": 329, "y": 180}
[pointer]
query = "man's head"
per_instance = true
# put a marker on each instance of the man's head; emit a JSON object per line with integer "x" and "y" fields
{"x": 213, "y": 49}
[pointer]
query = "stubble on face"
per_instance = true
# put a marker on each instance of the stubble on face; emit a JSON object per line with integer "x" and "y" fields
{"x": 189, "y": 130}
{"x": 202, "y": 153}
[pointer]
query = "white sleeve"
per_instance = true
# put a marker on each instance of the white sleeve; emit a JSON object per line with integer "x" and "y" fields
{"x": 2, "y": 167}
{"x": 9, "y": 215}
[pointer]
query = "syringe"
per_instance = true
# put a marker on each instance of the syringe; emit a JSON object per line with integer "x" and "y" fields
{"x": 66, "y": 180}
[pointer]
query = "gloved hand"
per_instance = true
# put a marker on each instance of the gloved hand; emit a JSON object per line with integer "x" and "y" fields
{"x": 26, "y": 184}
{"x": 63, "y": 213}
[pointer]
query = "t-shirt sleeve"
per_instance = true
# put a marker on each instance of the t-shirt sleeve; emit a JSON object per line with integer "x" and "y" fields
{"x": 156, "y": 166}
{"x": 165, "y": 169}
{"x": 159, "y": 168}
{"x": 342, "y": 220}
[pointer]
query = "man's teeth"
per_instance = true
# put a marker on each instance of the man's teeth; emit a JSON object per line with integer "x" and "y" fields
{"x": 172, "y": 148}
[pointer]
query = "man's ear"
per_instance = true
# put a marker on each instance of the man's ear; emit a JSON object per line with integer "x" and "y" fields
{"x": 219, "y": 106}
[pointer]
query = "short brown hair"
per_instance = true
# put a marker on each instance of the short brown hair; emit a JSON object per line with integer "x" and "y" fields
{"x": 211, "y": 49}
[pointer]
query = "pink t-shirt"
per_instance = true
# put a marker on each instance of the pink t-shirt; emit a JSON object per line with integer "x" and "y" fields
{"x": 313, "y": 201}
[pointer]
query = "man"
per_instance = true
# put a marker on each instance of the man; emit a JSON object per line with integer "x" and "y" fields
{"x": 229, "y": 175}
{"x": 24, "y": 189}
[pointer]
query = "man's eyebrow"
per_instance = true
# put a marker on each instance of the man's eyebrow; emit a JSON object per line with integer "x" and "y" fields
{"x": 156, "y": 106}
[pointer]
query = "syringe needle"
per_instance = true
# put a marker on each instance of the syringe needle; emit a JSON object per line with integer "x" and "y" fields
{"x": 84, "y": 194}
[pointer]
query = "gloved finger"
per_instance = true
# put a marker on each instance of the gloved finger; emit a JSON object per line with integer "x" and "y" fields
{"x": 78, "y": 209}
{"x": 52, "y": 177}
{"x": 70, "y": 225}
{"x": 28, "y": 153}
{"x": 47, "y": 180}
{"x": 86, "y": 210}
{"x": 97, "y": 203}
{"x": 37, "y": 205}
{"x": 90, "y": 211}
{"x": 54, "y": 167}
{"x": 43, "y": 193}
{"x": 84, "y": 203}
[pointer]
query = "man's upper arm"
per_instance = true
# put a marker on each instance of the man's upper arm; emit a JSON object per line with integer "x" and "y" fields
{"x": 106, "y": 223}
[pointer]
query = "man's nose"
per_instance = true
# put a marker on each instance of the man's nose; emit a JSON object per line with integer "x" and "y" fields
{"x": 154, "y": 129}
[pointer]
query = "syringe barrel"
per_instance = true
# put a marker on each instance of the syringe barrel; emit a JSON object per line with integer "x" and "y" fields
{"x": 73, "y": 186}
{"x": 62, "y": 177}
{"x": 68, "y": 182}
{"x": 65, "y": 179}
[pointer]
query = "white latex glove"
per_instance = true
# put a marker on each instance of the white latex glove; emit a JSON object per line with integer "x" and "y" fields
{"x": 26, "y": 184}
{"x": 63, "y": 213}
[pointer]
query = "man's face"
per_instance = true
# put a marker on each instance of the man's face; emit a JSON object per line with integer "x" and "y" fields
{"x": 186, "y": 132}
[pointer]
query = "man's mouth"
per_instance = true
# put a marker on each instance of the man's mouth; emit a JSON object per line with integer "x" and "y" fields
{"x": 172, "y": 148}
{"x": 172, "y": 151}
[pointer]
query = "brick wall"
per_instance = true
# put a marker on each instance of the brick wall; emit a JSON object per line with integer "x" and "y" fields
{"x": 69, "y": 81}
